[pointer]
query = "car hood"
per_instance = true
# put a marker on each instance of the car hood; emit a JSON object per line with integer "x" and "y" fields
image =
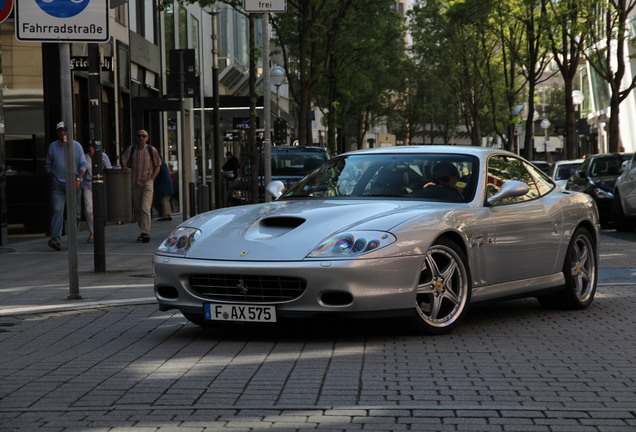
{"x": 605, "y": 182}
{"x": 290, "y": 230}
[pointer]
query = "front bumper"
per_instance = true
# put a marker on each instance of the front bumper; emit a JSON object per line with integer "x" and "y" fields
{"x": 371, "y": 285}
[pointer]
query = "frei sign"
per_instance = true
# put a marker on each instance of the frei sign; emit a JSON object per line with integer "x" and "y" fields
{"x": 61, "y": 20}
{"x": 262, "y": 6}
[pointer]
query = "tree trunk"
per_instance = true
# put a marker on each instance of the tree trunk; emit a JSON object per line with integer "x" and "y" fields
{"x": 528, "y": 151}
{"x": 571, "y": 138}
{"x": 332, "y": 146}
{"x": 613, "y": 132}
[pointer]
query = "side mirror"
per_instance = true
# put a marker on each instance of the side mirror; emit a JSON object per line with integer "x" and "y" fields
{"x": 626, "y": 166}
{"x": 581, "y": 174}
{"x": 510, "y": 189}
{"x": 275, "y": 188}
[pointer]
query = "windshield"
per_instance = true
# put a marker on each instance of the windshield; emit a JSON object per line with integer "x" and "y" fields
{"x": 296, "y": 162}
{"x": 606, "y": 166}
{"x": 439, "y": 177}
{"x": 565, "y": 171}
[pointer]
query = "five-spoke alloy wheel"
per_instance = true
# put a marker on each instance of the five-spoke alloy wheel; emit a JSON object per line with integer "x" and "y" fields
{"x": 443, "y": 291}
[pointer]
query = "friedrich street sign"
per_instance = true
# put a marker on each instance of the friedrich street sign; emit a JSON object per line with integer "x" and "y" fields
{"x": 262, "y": 6}
{"x": 61, "y": 20}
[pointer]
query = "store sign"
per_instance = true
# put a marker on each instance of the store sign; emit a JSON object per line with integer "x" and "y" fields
{"x": 81, "y": 63}
{"x": 61, "y": 20}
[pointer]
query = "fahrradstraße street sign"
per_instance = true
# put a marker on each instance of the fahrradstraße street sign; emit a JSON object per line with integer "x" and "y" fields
{"x": 61, "y": 20}
{"x": 263, "y": 6}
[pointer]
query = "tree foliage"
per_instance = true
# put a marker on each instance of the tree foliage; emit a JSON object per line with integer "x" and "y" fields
{"x": 471, "y": 62}
{"x": 339, "y": 57}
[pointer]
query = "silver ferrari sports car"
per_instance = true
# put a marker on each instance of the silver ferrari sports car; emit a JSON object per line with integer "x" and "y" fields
{"x": 421, "y": 232}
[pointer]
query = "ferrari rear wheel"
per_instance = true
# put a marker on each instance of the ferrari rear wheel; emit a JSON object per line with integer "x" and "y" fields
{"x": 443, "y": 291}
{"x": 580, "y": 270}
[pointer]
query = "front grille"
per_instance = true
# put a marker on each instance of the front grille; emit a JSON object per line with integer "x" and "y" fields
{"x": 256, "y": 289}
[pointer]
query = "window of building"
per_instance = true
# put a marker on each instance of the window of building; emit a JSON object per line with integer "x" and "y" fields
{"x": 183, "y": 28}
{"x": 194, "y": 41}
{"x": 223, "y": 31}
{"x": 168, "y": 24}
{"x": 142, "y": 18}
{"x": 120, "y": 14}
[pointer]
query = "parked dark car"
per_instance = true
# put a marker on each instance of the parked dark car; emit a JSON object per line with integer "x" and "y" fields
{"x": 289, "y": 164}
{"x": 596, "y": 176}
{"x": 624, "y": 203}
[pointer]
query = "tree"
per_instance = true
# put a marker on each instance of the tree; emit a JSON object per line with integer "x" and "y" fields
{"x": 606, "y": 45}
{"x": 534, "y": 58}
{"x": 567, "y": 36}
{"x": 307, "y": 33}
{"x": 366, "y": 69}
{"x": 432, "y": 89}
{"x": 511, "y": 32}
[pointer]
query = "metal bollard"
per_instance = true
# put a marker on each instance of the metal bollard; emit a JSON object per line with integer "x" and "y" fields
{"x": 204, "y": 198}
{"x": 193, "y": 194}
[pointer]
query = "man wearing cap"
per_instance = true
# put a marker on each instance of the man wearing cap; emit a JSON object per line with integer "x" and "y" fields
{"x": 55, "y": 165}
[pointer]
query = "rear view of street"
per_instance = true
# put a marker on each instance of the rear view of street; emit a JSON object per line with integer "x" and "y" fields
{"x": 116, "y": 365}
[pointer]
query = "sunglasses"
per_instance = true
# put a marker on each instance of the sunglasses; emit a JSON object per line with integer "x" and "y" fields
{"x": 142, "y": 136}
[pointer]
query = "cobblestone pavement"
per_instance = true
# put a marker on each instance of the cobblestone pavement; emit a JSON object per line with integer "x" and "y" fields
{"x": 510, "y": 366}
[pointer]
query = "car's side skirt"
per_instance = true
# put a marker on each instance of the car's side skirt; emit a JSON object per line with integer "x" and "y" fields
{"x": 518, "y": 287}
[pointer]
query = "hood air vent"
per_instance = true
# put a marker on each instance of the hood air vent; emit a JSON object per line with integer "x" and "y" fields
{"x": 282, "y": 222}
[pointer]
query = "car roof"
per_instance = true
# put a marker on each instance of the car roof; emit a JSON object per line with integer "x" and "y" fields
{"x": 301, "y": 148}
{"x": 480, "y": 152}
{"x": 568, "y": 161}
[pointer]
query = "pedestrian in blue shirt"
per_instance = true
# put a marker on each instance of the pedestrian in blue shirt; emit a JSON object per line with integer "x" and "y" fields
{"x": 163, "y": 192}
{"x": 87, "y": 188}
{"x": 55, "y": 166}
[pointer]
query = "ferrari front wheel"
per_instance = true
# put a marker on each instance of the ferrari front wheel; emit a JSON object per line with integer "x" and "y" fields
{"x": 443, "y": 290}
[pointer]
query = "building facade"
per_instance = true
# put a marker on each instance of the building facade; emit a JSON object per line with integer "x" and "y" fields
{"x": 138, "y": 81}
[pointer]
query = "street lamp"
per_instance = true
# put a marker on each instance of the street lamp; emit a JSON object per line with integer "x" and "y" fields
{"x": 277, "y": 76}
{"x": 545, "y": 124}
{"x": 577, "y": 99}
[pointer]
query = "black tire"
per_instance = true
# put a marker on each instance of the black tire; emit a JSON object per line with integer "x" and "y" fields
{"x": 443, "y": 291}
{"x": 620, "y": 221}
{"x": 581, "y": 272}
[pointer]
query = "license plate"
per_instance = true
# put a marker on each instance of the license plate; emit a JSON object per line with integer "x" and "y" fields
{"x": 239, "y": 312}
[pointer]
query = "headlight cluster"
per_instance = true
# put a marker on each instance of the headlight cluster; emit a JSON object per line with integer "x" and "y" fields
{"x": 603, "y": 194}
{"x": 351, "y": 244}
{"x": 179, "y": 240}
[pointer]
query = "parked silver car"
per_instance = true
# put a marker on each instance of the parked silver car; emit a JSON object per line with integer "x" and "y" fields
{"x": 564, "y": 169}
{"x": 414, "y": 231}
{"x": 624, "y": 203}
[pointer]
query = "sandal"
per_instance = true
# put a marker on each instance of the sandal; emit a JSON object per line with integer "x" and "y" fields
{"x": 143, "y": 237}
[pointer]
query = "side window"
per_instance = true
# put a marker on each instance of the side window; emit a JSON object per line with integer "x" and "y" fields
{"x": 505, "y": 168}
{"x": 584, "y": 165}
{"x": 543, "y": 182}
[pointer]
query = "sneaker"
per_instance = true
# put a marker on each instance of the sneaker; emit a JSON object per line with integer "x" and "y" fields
{"x": 54, "y": 244}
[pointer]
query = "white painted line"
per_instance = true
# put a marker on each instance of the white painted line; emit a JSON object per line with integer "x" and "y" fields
{"x": 24, "y": 310}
